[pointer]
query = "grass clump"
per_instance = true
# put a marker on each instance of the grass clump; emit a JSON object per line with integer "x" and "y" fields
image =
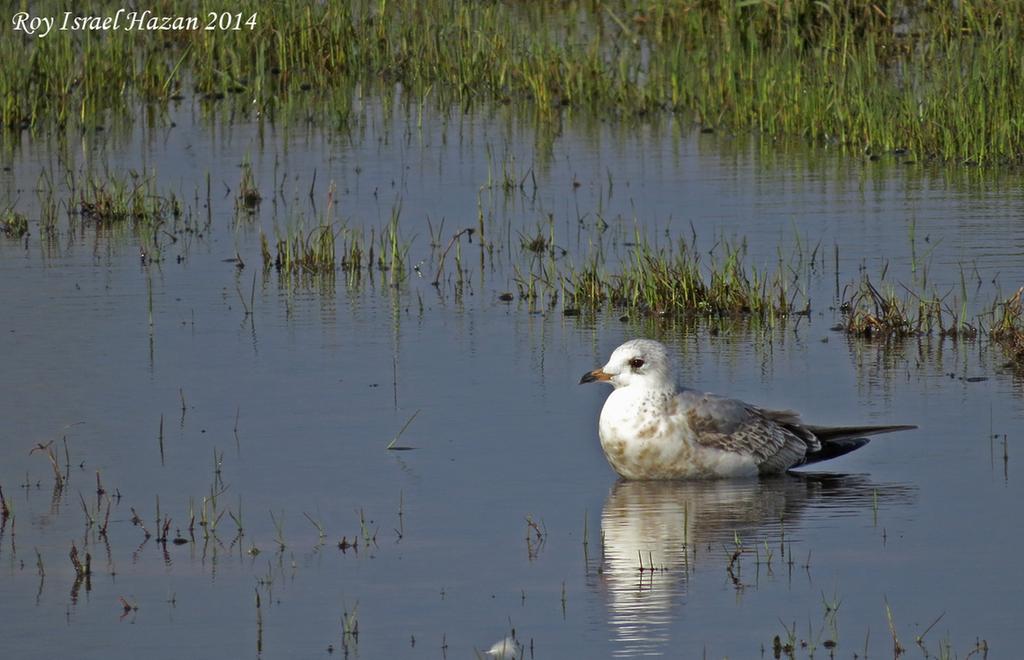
{"x": 672, "y": 283}
{"x": 1008, "y": 328}
{"x": 249, "y": 196}
{"x": 133, "y": 200}
{"x": 536, "y": 244}
{"x": 301, "y": 252}
{"x": 875, "y": 314}
{"x": 13, "y": 224}
{"x": 872, "y": 314}
{"x": 353, "y": 254}
{"x": 394, "y": 251}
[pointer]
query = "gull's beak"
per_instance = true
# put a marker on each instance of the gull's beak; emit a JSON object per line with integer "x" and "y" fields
{"x": 594, "y": 375}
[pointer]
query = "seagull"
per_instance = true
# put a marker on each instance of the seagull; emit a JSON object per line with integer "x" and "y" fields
{"x": 651, "y": 428}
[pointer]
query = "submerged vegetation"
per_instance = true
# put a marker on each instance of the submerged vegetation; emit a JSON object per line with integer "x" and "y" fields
{"x": 298, "y": 250}
{"x": 647, "y": 280}
{"x": 1008, "y": 327}
{"x": 871, "y": 313}
{"x": 929, "y": 79}
{"x": 623, "y": 272}
{"x": 301, "y": 251}
{"x": 668, "y": 283}
{"x": 249, "y": 197}
{"x": 13, "y": 224}
{"x": 133, "y": 199}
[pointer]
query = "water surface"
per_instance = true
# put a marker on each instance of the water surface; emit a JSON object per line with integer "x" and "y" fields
{"x": 278, "y": 397}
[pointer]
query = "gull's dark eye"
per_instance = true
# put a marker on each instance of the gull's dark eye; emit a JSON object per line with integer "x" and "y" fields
{"x": 636, "y": 363}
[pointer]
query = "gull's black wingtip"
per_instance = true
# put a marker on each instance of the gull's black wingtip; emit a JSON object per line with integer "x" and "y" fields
{"x": 834, "y": 449}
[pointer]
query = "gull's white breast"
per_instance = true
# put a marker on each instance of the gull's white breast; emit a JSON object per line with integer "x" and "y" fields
{"x": 645, "y": 435}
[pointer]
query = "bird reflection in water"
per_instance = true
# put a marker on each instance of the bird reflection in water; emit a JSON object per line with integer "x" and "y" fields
{"x": 651, "y": 530}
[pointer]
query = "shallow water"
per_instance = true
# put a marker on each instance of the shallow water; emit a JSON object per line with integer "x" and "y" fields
{"x": 504, "y": 520}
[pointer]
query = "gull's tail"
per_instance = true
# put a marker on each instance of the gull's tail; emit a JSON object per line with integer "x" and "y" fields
{"x": 839, "y": 440}
{"x": 832, "y": 433}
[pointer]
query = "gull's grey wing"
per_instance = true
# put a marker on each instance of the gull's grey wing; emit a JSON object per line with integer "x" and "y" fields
{"x": 776, "y": 439}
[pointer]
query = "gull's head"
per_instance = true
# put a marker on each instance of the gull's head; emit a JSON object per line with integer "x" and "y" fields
{"x": 638, "y": 362}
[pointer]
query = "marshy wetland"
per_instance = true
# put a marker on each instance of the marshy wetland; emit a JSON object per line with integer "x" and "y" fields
{"x": 293, "y": 319}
